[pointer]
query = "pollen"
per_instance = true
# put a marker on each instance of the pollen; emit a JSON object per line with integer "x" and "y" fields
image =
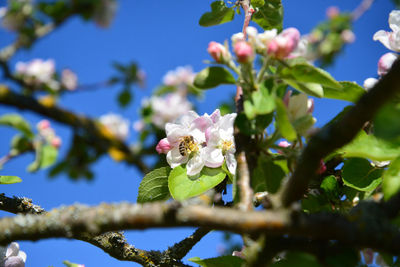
{"x": 226, "y": 145}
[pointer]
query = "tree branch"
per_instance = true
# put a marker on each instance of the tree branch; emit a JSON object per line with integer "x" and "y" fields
{"x": 19, "y": 205}
{"x": 71, "y": 221}
{"x": 339, "y": 133}
{"x": 103, "y": 139}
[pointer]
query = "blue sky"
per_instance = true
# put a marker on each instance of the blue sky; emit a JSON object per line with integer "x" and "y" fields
{"x": 159, "y": 35}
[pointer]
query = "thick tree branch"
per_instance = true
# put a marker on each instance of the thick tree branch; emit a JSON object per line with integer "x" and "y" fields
{"x": 103, "y": 138}
{"x": 113, "y": 243}
{"x": 339, "y": 133}
{"x": 70, "y": 222}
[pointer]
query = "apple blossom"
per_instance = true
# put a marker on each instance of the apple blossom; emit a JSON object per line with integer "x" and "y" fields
{"x": 168, "y": 108}
{"x": 12, "y": 256}
{"x": 369, "y": 83}
{"x": 298, "y": 105}
{"x": 332, "y": 12}
{"x": 47, "y": 134}
{"x": 283, "y": 44}
{"x": 391, "y": 39}
{"x": 348, "y": 36}
{"x": 187, "y": 144}
{"x": 181, "y": 77}
{"x": 36, "y": 71}
{"x": 69, "y": 79}
{"x": 237, "y": 37}
{"x": 221, "y": 143}
{"x": 117, "y": 125}
{"x": 386, "y": 62}
{"x": 163, "y": 146}
{"x": 244, "y": 52}
{"x": 218, "y": 52}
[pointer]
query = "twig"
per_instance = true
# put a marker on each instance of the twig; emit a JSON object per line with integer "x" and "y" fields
{"x": 104, "y": 140}
{"x": 179, "y": 250}
{"x": 339, "y": 133}
{"x": 361, "y": 9}
{"x": 21, "y": 205}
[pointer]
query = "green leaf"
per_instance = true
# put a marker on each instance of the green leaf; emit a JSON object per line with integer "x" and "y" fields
{"x": 270, "y": 15}
{"x": 18, "y": 122}
{"x": 124, "y": 98}
{"x": 330, "y": 186}
{"x": 45, "y": 157}
{"x": 9, "y": 179}
{"x": 182, "y": 187}
{"x": 154, "y": 186}
{"x": 231, "y": 261}
{"x": 283, "y": 122}
{"x": 261, "y": 103}
{"x": 219, "y": 14}
{"x": 387, "y": 123}
{"x": 359, "y": 174}
{"x": 70, "y": 264}
{"x": 370, "y": 147}
{"x": 391, "y": 179}
{"x": 306, "y": 73}
{"x": 298, "y": 259}
{"x": 312, "y": 89}
{"x": 267, "y": 175}
{"x": 213, "y": 76}
{"x": 350, "y": 91}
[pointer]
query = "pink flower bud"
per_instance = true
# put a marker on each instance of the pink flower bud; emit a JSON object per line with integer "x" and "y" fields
{"x": 310, "y": 105}
{"x": 56, "y": 142}
{"x": 348, "y": 36}
{"x": 385, "y": 63}
{"x": 283, "y": 144}
{"x": 284, "y": 44}
{"x": 217, "y": 51}
{"x": 163, "y": 146}
{"x": 43, "y": 125}
{"x": 244, "y": 52}
{"x": 332, "y": 12}
{"x": 322, "y": 167}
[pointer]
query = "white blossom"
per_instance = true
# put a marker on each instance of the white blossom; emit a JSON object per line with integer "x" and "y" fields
{"x": 12, "y": 256}
{"x": 391, "y": 39}
{"x": 186, "y": 141}
{"x": 36, "y": 71}
{"x": 69, "y": 79}
{"x": 298, "y": 105}
{"x": 117, "y": 125}
{"x": 168, "y": 108}
{"x": 369, "y": 83}
{"x": 181, "y": 77}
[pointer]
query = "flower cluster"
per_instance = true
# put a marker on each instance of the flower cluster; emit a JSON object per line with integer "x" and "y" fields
{"x": 12, "y": 256}
{"x": 38, "y": 72}
{"x": 392, "y": 41}
{"x": 275, "y": 45}
{"x": 116, "y": 125}
{"x": 47, "y": 134}
{"x": 181, "y": 77}
{"x": 200, "y": 141}
{"x": 168, "y": 108}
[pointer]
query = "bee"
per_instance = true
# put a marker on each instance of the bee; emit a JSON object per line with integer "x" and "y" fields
{"x": 186, "y": 145}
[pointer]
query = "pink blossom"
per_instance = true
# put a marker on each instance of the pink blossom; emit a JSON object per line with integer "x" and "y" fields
{"x": 218, "y": 52}
{"x": 43, "y": 124}
{"x": 284, "y": 44}
{"x": 244, "y": 52}
{"x": 283, "y": 144}
{"x": 348, "y": 36}
{"x": 69, "y": 79}
{"x": 163, "y": 146}
{"x": 322, "y": 167}
{"x": 56, "y": 142}
{"x": 332, "y": 12}
{"x": 386, "y": 62}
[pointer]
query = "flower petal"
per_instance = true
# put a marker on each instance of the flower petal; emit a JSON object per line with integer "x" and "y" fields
{"x": 231, "y": 163}
{"x": 394, "y": 20}
{"x": 213, "y": 157}
{"x": 195, "y": 164}
{"x": 383, "y": 37}
{"x": 174, "y": 158}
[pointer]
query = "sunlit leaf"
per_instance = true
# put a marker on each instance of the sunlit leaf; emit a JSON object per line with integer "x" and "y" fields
{"x": 231, "y": 261}
{"x": 350, "y": 91}
{"x": 391, "y": 179}
{"x": 18, "y": 122}
{"x": 283, "y": 122}
{"x": 269, "y": 16}
{"x": 9, "y": 179}
{"x": 213, "y": 76}
{"x": 219, "y": 14}
{"x": 359, "y": 174}
{"x": 154, "y": 186}
{"x": 182, "y": 187}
